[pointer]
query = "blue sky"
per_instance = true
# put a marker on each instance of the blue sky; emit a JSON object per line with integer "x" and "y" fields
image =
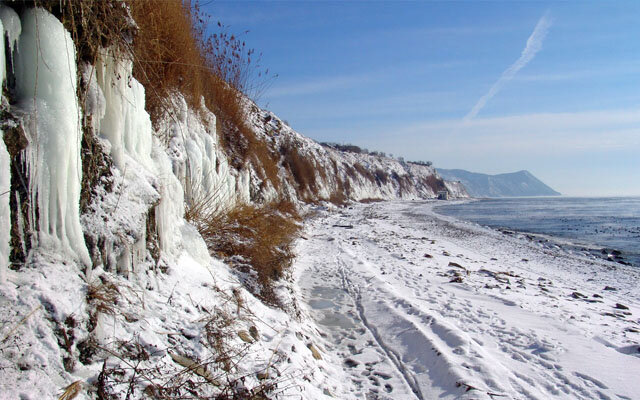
{"x": 551, "y": 87}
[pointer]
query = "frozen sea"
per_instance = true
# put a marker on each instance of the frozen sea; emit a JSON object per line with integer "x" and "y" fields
{"x": 606, "y": 225}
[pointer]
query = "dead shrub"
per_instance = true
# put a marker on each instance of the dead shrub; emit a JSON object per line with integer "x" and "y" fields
{"x": 104, "y": 296}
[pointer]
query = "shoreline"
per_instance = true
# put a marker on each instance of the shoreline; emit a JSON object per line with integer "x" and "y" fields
{"x": 441, "y": 307}
{"x": 612, "y": 253}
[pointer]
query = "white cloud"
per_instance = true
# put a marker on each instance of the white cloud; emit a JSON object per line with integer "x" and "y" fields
{"x": 534, "y": 45}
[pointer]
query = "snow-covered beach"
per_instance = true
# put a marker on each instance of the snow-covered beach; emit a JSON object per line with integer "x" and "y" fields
{"x": 417, "y": 305}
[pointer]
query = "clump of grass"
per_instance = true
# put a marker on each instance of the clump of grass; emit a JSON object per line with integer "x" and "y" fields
{"x": 370, "y": 200}
{"x": 303, "y": 172}
{"x": 260, "y": 238}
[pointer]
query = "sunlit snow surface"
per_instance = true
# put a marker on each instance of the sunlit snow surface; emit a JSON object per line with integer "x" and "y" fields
{"x": 416, "y": 305}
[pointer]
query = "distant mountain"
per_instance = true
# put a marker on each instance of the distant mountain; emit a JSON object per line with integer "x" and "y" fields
{"x": 514, "y": 184}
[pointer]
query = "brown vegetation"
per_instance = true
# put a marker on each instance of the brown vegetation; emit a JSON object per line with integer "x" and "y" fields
{"x": 260, "y": 238}
{"x": 381, "y": 177}
{"x": 370, "y": 200}
{"x": 173, "y": 53}
{"x": 436, "y": 184}
{"x": 303, "y": 171}
{"x": 364, "y": 172}
{"x": 104, "y": 296}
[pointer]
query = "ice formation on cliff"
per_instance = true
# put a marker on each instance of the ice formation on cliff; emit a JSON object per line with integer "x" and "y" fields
{"x": 46, "y": 90}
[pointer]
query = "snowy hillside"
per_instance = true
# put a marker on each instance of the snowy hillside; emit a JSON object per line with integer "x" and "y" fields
{"x": 521, "y": 183}
{"x": 106, "y": 290}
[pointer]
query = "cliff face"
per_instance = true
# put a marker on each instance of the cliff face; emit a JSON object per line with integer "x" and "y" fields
{"x": 92, "y": 206}
{"x": 312, "y": 172}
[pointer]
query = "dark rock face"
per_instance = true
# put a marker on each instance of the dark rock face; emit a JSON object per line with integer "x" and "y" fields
{"x": 521, "y": 183}
{"x": 19, "y": 199}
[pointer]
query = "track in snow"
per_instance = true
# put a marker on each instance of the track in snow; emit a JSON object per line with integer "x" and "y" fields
{"x": 402, "y": 330}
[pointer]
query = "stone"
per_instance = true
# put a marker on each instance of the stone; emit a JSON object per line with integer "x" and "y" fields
{"x": 253, "y": 331}
{"x": 314, "y": 351}
{"x": 244, "y": 335}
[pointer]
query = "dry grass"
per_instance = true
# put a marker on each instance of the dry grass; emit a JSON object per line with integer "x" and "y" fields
{"x": 381, "y": 177}
{"x": 71, "y": 391}
{"x": 258, "y": 237}
{"x": 173, "y": 53}
{"x": 435, "y": 183}
{"x": 303, "y": 172}
{"x": 370, "y": 200}
{"x": 338, "y": 197}
{"x": 364, "y": 172}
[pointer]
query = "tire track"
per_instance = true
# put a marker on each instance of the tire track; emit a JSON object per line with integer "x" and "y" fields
{"x": 395, "y": 358}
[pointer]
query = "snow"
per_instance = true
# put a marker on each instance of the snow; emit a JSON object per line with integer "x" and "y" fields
{"x": 46, "y": 89}
{"x": 417, "y": 305}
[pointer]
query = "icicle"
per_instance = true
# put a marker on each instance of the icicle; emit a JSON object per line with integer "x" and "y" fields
{"x": 125, "y": 124}
{"x": 46, "y": 88}
{"x": 11, "y": 28}
{"x": 3, "y": 62}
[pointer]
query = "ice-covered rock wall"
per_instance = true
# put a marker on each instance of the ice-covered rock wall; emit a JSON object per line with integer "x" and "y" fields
{"x": 198, "y": 159}
{"x": 5, "y": 178}
{"x": 46, "y": 85}
{"x": 148, "y": 175}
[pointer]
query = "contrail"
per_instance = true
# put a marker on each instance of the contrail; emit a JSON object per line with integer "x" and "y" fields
{"x": 534, "y": 45}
